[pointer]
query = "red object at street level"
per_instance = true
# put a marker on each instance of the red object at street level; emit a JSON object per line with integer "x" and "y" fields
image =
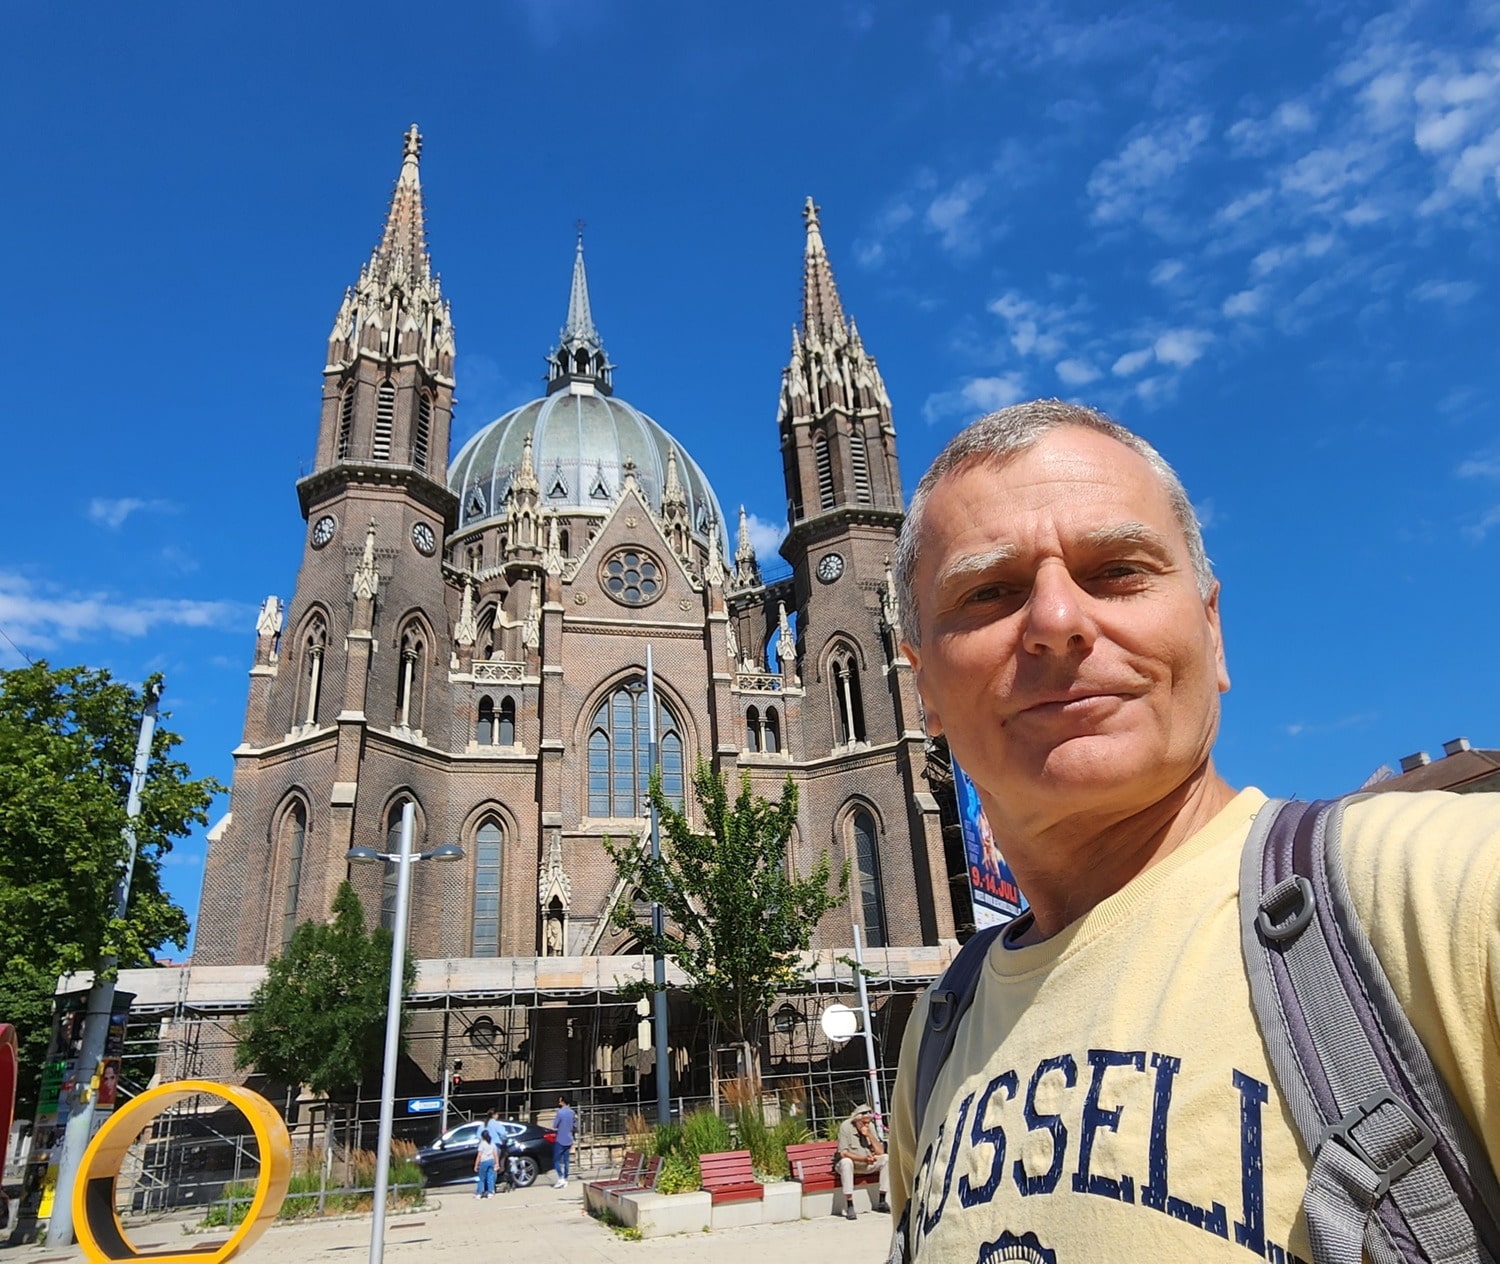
{"x": 9, "y": 1067}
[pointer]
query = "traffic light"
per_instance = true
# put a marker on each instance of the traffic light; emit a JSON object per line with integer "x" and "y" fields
{"x": 457, "y": 1077}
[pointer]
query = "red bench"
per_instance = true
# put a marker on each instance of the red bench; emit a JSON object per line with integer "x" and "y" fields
{"x": 812, "y": 1165}
{"x": 645, "y": 1183}
{"x": 729, "y": 1178}
{"x": 629, "y": 1174}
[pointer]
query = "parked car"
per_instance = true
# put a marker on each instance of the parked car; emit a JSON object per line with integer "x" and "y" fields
{"x": 450, "y": 1158}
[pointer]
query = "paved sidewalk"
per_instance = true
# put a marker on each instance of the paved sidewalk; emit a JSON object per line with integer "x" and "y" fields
{"x": 538, "y": 1225}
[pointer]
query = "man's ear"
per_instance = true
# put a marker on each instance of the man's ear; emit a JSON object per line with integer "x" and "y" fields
{"x": 933, "y": 722}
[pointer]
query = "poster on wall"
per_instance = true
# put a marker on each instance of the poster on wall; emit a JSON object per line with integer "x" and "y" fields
{"x": 992, "y": 886}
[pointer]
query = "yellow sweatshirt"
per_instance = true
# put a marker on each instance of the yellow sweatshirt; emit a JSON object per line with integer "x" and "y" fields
{"x": 1109, "y": 1096}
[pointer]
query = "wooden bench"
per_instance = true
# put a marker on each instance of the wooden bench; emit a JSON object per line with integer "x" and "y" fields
{"x": 812, "y": 1165}
{"x": 729, "y": 1178}
{"x": 631, "y": 1166}
{"x": 645, "y": 1183}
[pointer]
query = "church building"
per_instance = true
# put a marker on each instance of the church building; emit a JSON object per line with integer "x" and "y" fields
{"x": 468, "y": 632}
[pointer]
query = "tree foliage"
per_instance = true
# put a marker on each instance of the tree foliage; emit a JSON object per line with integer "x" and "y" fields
{"x": 319, "y": 1017}
{"x": 737, "y": 919}
{"x": 67, "y": 746}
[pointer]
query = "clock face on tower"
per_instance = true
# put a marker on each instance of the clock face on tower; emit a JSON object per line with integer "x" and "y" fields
{"x": 830, "y": 567}
{"x": 322, "y": 531}
{"x": 422, "y": 537}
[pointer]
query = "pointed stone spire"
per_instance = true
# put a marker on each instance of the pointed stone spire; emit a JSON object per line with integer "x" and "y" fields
{"x": 405, "y": 235}
{"x": 890, "y": 604}
{"x": 673, "y": 494}
{"x": 466, "y": 630}
{"x": 366, "y": 577}
{"x": 746, "y": 567}
{"x": 525, "y": 479}
{"x": 822, "y": 313}
{"x": 579, "y": 360}
{"x": 531, "y": 630}
{"x": 713, "y": 569}
{"x": 552, "y": 559}
{"x": 580, "y": 324}
{"x": 786, "y": 649}
{"x": 397, "y": 308}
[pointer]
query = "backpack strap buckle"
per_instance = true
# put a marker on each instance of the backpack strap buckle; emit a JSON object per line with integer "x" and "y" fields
{"x": 1382, "y": 1153}
{"x": 1286, "y": 909}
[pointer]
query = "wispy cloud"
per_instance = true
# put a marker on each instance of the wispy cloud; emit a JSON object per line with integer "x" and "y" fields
{"x": 974, "y": 397}
{"x": 1130, "y": 186}
{"x": 113, "y": 513}
{"x": 41, "y": 617}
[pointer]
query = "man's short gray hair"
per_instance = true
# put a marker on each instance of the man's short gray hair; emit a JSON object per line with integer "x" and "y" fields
{"x": 996, "y": 439}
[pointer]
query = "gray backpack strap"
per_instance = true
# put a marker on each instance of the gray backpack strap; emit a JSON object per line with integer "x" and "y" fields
{"x": 1397, "y": 1173}
{"x": 951, "y": 997}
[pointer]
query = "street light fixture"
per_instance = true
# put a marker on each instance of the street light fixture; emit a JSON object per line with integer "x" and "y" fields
{"x": 403, "y": 860}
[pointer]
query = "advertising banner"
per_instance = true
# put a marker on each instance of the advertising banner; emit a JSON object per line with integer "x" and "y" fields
{"x": 992, "y": 886}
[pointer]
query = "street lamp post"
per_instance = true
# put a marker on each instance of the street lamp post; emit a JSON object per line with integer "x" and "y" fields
{"x": 403, "y": 860}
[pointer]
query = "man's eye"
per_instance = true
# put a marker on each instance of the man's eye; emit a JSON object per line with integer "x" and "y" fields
{"x": 990, "y": 592}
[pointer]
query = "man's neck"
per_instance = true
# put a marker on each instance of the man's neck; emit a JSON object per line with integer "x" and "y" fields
{"x": 1072, "y": 865}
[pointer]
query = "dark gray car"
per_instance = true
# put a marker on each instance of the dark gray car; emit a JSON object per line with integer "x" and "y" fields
{"x": 450, "y": 1158}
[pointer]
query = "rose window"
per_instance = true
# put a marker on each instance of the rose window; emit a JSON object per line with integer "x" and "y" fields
{"x": 632, "y": 577}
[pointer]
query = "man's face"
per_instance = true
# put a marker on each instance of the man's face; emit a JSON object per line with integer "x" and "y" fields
{"x": 1066, "y": 651}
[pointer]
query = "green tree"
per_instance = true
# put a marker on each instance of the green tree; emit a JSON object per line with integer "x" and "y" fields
{"x": 319, "y": 1017}
{"x": 737, "y": 920}
{"x": 67, "y": 746}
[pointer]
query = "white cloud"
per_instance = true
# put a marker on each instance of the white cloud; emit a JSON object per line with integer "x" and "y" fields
{"x": 1132, "y": 362}
{"x": 948, "y": 215}
{"x": 1124, "y": 186}
{"x": 1447, "y": 293}
{"x": 1075, "y": 372}
{"x": 976, "y": 396}
{"x": 765, "y": 536}
{"x": 1034, "y": 328}
{"x": 41, "y": 617}
{"x": 1181, "y": 347}
{"x": 113, "y": 513}
{"x": 1167, "y": 271}
{"x": 1245, "y": 303}
{"x": 1209, "y": 515}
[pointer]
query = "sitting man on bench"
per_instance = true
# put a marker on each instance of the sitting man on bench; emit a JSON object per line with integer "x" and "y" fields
{"x": 861, "y": 1149}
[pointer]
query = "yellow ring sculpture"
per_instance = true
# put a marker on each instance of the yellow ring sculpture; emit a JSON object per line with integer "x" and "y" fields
{"x": 97, "y": 1224}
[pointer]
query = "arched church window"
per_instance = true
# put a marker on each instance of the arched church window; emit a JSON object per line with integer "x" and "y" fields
{"x": 848, "y": 711}
{"x": 867, "y": 866}
{"x": 385, "y": 421}
{"x": 314, "y": 646}
{"x": 411, "y": 679}
{"x": 293, "y": 839}
{"x": 346, "y": 420}
{"x": 505, "y": 733}
{"x": 421, "y": 438}
{"x": 562, "y": 542}
{"x": 484, "y": 726}
{"x": 824, "y": 465}
{"x": 752, "y": 729}
{"x": 488, "y": 846}
{"x": 392, "y": 869}
{"x": 619, "y": 753}
{"x": 859, "y": 463}
{"x": 773, "y": 732}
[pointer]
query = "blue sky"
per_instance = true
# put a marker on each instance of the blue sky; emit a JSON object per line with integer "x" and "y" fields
{"x": 1264, "y": 236}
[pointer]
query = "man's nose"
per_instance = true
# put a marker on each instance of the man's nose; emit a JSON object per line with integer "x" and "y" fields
{"x": 1058, "y": 619}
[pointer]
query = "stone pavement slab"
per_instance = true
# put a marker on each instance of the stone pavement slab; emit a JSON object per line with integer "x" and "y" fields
{"x": 541, "y": 1225}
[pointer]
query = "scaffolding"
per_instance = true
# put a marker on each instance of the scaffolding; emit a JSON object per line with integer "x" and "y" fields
{"x": 523, "y": 1031}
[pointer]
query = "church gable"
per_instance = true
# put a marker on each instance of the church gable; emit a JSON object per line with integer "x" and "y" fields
{"x": 630, "y": 563}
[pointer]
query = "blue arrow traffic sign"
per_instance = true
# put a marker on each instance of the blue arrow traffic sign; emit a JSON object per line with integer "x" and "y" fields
{"x": 423, "y": 1105}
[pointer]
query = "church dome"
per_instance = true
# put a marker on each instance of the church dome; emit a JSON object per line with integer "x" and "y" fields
{"x": 581, "y": 441}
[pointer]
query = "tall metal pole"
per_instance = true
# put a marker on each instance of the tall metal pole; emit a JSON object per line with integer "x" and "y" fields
{"x": 101, "y": 997}
{"x": 392, "y": 1035}
{"x": 658, "y": 923}
{"x": 864, "y": 1020}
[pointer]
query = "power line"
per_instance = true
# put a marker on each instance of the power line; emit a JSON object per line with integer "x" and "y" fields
{"x": 16, "y": 647}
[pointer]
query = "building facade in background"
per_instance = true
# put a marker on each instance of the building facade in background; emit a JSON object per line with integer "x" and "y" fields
{"x": 469, "y": 633}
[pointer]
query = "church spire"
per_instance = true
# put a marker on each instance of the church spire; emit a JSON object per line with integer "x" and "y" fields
{"x": 405, "y": 236}
{"x": 822, "y": 313}
{"x": 579, "y": 361}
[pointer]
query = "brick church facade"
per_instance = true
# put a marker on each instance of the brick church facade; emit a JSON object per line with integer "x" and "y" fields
{"x": 470, "y": 634}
